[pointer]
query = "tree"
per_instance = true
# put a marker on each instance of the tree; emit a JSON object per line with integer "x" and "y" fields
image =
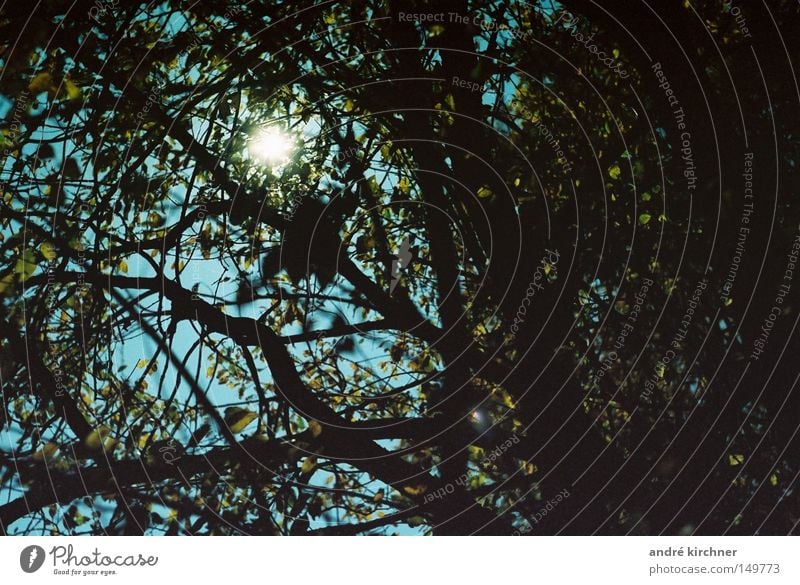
{"x": 444, "y": 267}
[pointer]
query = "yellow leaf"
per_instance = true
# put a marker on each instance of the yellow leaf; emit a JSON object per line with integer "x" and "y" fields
{"x": 734, "y": 460}
{"x": 309, "y": 465}
{"x": 415, "y": 490}
{"x": 404, "y": 186}
{"x": 484, "y": 192}
{"x": 73, "y": 91}
{"x": 315, "y": 428}
{"x": 141, "y": 364}
{"x": 378, "y": 496}
{"x": 41, "y": 82}
{"x": 5, "y": 282}
{"x": 96, "y": 438}
{"x": 110, "y": 444}
{"x": 614, "y": 172}
{"x": 238, "y": 418}
{"x": 123, "y": 266}
{"x": 46, "y": 452}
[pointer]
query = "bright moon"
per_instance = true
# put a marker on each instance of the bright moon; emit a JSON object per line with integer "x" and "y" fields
{"x": 271, "y": 146}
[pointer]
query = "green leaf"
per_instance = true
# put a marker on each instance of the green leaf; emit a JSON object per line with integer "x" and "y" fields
{"x": 26, "y": 265}
{"x": 48, "y": 250}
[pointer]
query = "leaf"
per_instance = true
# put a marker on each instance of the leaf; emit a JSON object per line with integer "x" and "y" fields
{"x": 123, "y": 266}
{"x": 614, "y": 172}
{"x": 73, "y": 91}
{"x": 48, "y": 250}
{"x": 309, "y": 464}
{"x": 71, "y": 170}
{"x": 26, "y": 265}
{"x": 47, "y": 451}
{"x": 404, "y": 186}
{"x": 41, "y": 82}
{"x": 238, "y": 418}
{"x": 155, "y": 219}
{"x": 415, "y": 490}
{"x": 378, "y": 495}
{"x": 45, "y": 151}
{"x": 142, "y": 363}
{"x": 142, "y": 442}
{"x": 416, "y": 521}
{"x": 734, "y": 460}
{"x": 96, "y": 439}
{"x": 644, "y": 218}
{"x": 315, "y": 428}
{"x": 6, "y": 282}
{"x": 484, "y": 192}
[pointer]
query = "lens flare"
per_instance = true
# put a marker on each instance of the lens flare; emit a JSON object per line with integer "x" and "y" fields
{"x": 271, "y": 146}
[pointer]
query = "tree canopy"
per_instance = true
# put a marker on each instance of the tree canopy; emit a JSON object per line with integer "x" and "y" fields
{"x": 382, "y": 267}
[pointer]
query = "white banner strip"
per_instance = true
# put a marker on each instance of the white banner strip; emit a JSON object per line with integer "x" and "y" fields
{"x": 401, "y": 560}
